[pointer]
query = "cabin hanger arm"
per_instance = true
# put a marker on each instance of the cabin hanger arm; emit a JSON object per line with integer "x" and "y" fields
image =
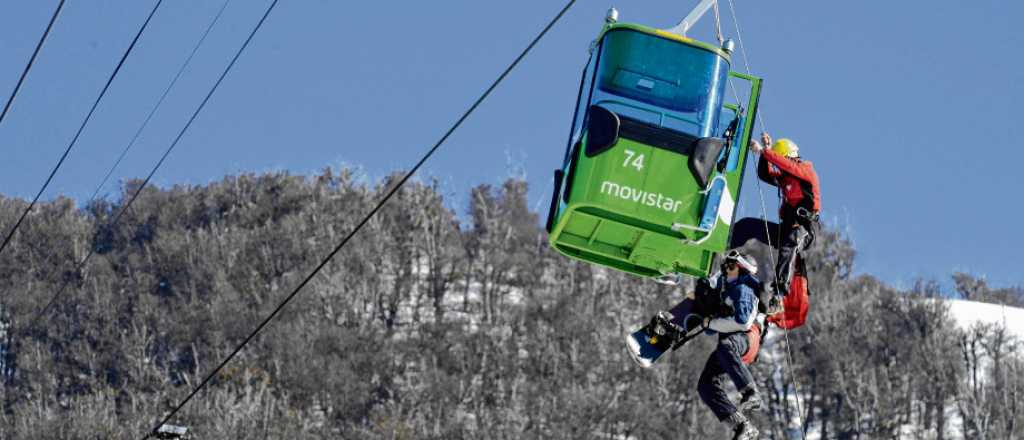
{"x": 692, "y": 18}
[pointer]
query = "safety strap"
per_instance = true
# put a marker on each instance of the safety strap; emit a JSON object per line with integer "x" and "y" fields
{"x": 697, "y": 331}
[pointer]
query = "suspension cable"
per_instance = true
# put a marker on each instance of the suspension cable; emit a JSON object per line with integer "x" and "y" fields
{"x": 31, "y": 60}
{"x": 81, "y": 264}
{"x": 80, "y": 128}
{"x": 365, "y": 219}
{"x": 160, "y": 101}
{"x": 768, "y": 235}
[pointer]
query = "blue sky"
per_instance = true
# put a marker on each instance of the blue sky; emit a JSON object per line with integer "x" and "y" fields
{"x": 907, "y": 109}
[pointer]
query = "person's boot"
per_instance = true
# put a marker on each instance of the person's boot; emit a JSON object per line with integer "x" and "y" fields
{"x": 751, "y": 400}
{"x": 742, "y": 429}
{"x": 662, "y": 331}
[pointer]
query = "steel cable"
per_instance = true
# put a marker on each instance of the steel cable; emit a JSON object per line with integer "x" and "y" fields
{"x": 81, "y": 128}
{"x": 174, "y": 143}
{"x": 31, "y": 60}
{"x": 363, "y": 222}
{"x": 160, "y": 101}
{"x": 92, "y": 250}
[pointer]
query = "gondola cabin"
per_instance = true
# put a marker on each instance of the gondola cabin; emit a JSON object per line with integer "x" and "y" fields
{"x": 656, "y": 154}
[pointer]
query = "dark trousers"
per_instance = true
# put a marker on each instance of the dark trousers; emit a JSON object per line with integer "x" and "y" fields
{"x": 796, "y": 237}
{"x": 724, "y": 363}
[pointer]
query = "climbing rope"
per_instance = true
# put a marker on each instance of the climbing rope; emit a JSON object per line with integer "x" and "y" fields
{"x": 746, "y": 61}
{"x": 767, "y": 229}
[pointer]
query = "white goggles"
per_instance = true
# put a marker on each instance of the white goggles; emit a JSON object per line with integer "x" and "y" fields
{"x": 742, "y": 261}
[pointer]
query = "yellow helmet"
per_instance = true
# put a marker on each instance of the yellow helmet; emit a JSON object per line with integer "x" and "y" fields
{"x": 786, "y": 147}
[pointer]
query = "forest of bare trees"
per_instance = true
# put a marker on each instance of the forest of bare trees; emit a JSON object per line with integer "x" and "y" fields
{"x": 438, "y": 323}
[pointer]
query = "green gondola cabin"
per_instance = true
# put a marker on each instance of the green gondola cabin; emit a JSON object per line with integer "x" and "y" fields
{"x": 656, "y": 154}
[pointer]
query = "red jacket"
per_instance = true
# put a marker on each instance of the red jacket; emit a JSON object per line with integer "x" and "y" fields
{"x": 795, "y": 305}
{"x": 796, "y": 179}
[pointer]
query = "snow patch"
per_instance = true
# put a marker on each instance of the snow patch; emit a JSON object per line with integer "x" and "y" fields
{"x": 968, "y": 313}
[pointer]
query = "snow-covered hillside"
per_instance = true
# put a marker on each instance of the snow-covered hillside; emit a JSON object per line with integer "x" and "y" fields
{"x": 967, "y": 313}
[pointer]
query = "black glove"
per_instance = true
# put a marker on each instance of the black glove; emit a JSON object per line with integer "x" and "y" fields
{"x": 702, "y": 288}
{"x": 726, "y": 310}
{"x": 705, "y": 297}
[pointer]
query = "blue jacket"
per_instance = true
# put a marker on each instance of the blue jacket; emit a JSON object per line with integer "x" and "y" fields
{"x": 741, "y": 294}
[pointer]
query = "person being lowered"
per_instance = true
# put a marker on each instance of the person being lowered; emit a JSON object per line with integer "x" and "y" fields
{"x": 739, "y": 333}
{"x": 801, "y": 204}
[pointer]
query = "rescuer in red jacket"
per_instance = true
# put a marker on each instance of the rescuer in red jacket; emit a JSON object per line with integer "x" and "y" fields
{"x": 801, "y": 204}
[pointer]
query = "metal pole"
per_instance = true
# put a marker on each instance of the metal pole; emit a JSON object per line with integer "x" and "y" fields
{"x": 693, "y": 17}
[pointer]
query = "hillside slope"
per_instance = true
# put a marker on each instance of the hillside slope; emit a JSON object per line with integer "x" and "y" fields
{"x": 967, "y": 313}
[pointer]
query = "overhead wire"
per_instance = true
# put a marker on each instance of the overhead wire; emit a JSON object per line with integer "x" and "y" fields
{"x": 181, "y": 134}
{"x": 31, "y": 61}
{"x": 160, "y": 101}
{"x": 768, "y": 235}
{"x": 397, "y": 186}
{"x": 81, "y": 128}
{"x": 92, "y": 249}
